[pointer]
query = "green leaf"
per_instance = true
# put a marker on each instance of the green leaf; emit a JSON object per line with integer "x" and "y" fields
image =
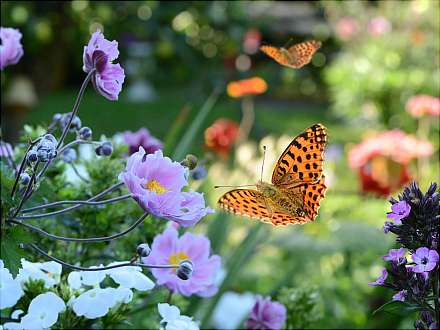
{"x": 11, "y": 252}
{"x": 397, "y": 307}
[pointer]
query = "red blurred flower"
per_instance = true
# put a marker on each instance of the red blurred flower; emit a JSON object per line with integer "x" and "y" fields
{"x": 346, "y": 27}
{"x": 378, "y": 26}
{"x": 252, "y": 40}
{"x": 221, "y": 135}
{"x": 240, "y": 88}
{"x": 382, "y": 160}
{"x": 420, "y": 105}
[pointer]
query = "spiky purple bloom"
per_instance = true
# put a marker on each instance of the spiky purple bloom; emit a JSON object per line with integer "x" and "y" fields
{"x": 399, "y": 211}
{"x": 266, "y": 314}
{"x": 425, "y": 260}
{"x": 400, "y": 295}
{"x": 141, "y": 138}
{"x": 387, "y": 226}
{"x": 381, "y": 279}
{"x": 394, "y": 255}
{"x": 11, "y": 49}
{"x": 168, "y": 248}
{"x": 156, "y": 183}
{"x": 99, "y": 54}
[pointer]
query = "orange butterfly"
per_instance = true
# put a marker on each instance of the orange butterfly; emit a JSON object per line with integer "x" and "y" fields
{"x": 295, "y": 56}
{"x": 297, "y": 188}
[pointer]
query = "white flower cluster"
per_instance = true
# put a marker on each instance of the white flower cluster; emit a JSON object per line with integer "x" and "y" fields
{"x": 88, "y": 298}
{"x": 172, "y": 320}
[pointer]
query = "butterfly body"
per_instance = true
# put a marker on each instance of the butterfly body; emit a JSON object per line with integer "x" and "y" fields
{"x": 297, "y": 187}
{"x": 295, "y": 56}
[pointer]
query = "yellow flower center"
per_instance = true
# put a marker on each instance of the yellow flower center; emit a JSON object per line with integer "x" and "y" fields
{"x": 176, "y": 258}
{"x": 155, "y": 186}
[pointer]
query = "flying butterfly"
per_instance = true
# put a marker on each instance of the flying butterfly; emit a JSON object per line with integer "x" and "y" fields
{"x": 295, "y": 56}
{"x": 297, "y": 188}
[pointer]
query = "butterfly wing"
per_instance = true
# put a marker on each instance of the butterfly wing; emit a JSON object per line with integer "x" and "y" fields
{"x": 275, "y": 53}
{"x": 313, "y": 195}
{"x": 303, "y": 159}
{"x": 301, "y": 54}
{"x": 250, "y": 203}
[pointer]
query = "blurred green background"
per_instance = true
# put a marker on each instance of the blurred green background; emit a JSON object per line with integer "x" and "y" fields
{"x": 375, "y": 56}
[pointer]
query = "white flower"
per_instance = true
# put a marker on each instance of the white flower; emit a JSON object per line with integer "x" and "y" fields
{"x": 49, "y": 272}
{"x": 10, "y": 289}
{"x": 232, "y": 309}
{"x": 43, "y": 311}
{"x": 74, "y": 280}
{"x": 174, "y": 321}
{"x": 16, "y": 314}
{"x": 93, "y": 277}
{"x": 130, "y": 277}
{"x": 93, "y": 303}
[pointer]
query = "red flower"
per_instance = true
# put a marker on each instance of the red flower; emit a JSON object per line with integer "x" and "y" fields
{"x": 382, "y": 161}
{"x": 420, "y": 105}
{"x": 221, "y": 135}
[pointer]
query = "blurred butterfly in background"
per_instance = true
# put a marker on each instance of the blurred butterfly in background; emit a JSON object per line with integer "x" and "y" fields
{"x": 295, "y": 56}
{"x": 298, "y": 184}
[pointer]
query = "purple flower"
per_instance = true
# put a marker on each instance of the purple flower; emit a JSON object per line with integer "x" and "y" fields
{"x": 168, "y": 248}
{"x": 266, "y": 314}
{"x": 11, "y": 49}
{"x": 425, "y": 260}
{"x": 381, "y": 279}
{"x": 386, "y": 227}
{"x": 108, "y": 77}
{"x": 156, "y": 183}
{"x": 6, "y": 149}
{"x": 400, "y": 295}
{"x": 141, "y": 138}
{"x": 399, "y": 211}
{"x": 394, "y": 255}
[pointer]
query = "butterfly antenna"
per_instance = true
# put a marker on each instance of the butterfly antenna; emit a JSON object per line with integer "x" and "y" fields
{"x": 262, "y": 166}
{"x": 245, "y": 185}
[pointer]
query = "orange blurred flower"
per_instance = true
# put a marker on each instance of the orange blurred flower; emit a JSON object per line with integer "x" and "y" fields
{"x": 382, "y": 161}
{"x": 420, "y": 105}
{"x": 240, "y": 88}
{"x": 221, "y": 135}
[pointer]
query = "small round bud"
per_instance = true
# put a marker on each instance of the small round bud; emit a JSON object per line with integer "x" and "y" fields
{"x": 185, "y": 270}
{"x": 32, "y": 156}
{"x": 57, "y": 117}
{"x": 190, "y": 161}
{"x": 143, "y": 250}
{"x": 85, "y": 133}
{"x": 199, "y": 173}
{"x": 76, "y": 123}
{"x": 47, "y": 148}
{"x": 51, "y": 138}
{"x": 69, "y": 155}
{"x": 25, "y": 178}
{"x": 104, "y": 149}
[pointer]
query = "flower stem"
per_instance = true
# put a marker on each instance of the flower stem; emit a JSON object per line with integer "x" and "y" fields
{"x": 75, "y": 169}
{"x": 85, "y": 269}
{"x": 81, "y": 240}
{"x": 247, "y": 120}
{"x": 27, "y": 192}
{"x": 116, "y": 186}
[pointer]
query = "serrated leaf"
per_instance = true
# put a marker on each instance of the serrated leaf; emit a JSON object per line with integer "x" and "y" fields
{"x": 11, "y": 252}
{"x": 397, "y": 307}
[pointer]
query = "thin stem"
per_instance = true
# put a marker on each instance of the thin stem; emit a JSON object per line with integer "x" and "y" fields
{"x": 75, "y": 169}
{"x": 79, "y": 205}
{"x": 82, "y": 240}
{"x": 85, "y": 269}
{"x": 22, "y": 165}
{"x": 75, "y": 142}
{"x": 105, "y": 201}
{"x": 247, "y": 120}
{"x": 26, "y": 194}
{"x": 74, "y": 112}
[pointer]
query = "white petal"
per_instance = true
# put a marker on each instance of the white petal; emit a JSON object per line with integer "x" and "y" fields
{"x": 74, "y": 280}
{"x": 48, "y": 303}
{"x": 12, "y": 326}
{"x": 168, "y": 312}
{"x": 10, "y": 289}
{"x": 123, "y": 295}
{"x": 93, "y": 277}
{"x": 92, "y": 304}
{"x": 16, "y": 314}
{"x": 142, "y": 282}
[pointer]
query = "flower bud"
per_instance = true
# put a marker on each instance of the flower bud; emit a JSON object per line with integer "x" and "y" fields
{"x": 85, "y": 133}
{"x": 47, "y": 148}
{"x": 76, "y": 123}
{"x": 57, "y": 117}
{"x": 190, "y": 161}
{"x": 69, "y": 155}
{"x": 104, "y": 149}
{"x": 199, "y": 173}
{"x": 32, "y": 156}
{"x": 51, "y": 138}
{"x": 143, "y": 250}
{"x": 185, "y": 270}
{"x": 25, "y": 178}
